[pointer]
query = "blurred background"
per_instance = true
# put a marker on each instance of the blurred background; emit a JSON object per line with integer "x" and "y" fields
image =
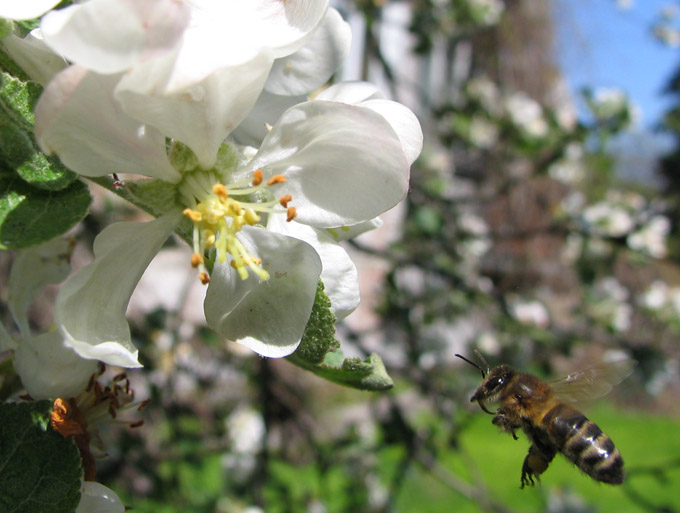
{"x": 541, "y": 229}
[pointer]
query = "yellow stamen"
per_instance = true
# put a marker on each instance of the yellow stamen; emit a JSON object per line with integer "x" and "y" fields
{"x": 220, "y": 190}
{"x": 194, "y": 215}
{"x": 218, "y": 217}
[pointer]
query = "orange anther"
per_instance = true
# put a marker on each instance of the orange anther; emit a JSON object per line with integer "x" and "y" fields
{"x": 292, "y": 214}
{"x": 194, "y": 215}
{"x": 284, "y": 200}
{"x": 276, "y": 179}
{"x": 196, "y": 260}
{"x": 257, "y": 177}
{"x": 205, "y": 279}
{"x": 220, "y": 190}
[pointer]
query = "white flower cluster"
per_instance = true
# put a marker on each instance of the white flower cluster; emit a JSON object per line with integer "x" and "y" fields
{"x": 663, "y": 300}
{"x": 529, "y": 311}
{"x": 487, "y": 12}
{"x": 628, "y": 215}
{"x": 609, "y": 304}
{"x": 269, "y": 179}
{"x": 526, "y": 114}
{"x": 569, "y": 169}
{"x": 609, "y": 103}
{"x": 217, "y": 103}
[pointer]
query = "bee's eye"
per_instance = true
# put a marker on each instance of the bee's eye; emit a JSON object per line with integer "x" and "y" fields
{"x": 498, "y": 380}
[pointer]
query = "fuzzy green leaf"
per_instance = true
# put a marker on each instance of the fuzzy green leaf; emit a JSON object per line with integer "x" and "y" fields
{"x": 319, "y": 352}
{"x": 19, "y": 149}
{"x": 40, "y": 471}
{"x": 30, "y": 216}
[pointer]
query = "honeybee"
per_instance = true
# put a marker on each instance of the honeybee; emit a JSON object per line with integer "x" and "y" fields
{"x": 543, "y": 412}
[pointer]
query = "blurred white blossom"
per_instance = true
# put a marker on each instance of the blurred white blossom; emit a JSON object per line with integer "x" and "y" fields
{"x": 529, "y": 312}
{"x": 605, "y": 218}
{"x": 487, "y": 12}
{"x": 483, "y": 133}
{"x": 527, "y": 114}
{"x": 609, "y": 304}
{"x": 651, "y": 237}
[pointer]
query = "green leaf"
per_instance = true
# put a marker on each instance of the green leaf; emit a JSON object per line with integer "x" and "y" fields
{"x": 30, "y": 216}
{"x": 40, "y": 470}
{"x": 19, "y": 150}
{"x": 319, "y": 352}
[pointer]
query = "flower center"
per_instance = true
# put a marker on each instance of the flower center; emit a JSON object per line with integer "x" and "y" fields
{"x": 218, "y": 212}
{"x": 79, "y": 416}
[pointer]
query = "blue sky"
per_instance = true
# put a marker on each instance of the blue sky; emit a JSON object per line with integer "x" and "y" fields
{"x": 600, "y": 45}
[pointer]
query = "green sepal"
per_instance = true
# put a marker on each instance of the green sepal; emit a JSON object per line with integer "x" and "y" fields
{"x": 152, "y": 195}
{"x": 40, "y": 470}
{"x": 30, "y": 216}
{"x": 319, "y": 352}
{"x": 19, "y": 149}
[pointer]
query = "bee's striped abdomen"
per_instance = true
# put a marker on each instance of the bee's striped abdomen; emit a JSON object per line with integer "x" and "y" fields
{"x": 583, "y": 443}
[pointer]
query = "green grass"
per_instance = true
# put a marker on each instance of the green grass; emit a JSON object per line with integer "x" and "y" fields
{"x": 644, "y": 441}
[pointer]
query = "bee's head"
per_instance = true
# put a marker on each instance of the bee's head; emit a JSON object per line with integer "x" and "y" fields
{"x": 492, "y": 386}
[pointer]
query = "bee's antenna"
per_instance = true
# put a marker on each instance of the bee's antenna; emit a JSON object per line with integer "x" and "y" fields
{"x": 484, "y": 373}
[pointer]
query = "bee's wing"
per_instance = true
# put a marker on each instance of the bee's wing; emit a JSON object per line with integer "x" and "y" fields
{"x": 592, "y": 383}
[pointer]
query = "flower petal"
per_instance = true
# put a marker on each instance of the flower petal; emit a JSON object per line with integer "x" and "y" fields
{"x": 352, "y": 93}
{"x": 404, "y": 122}
{"x": 7, "y": 343}
{"x": 266, "y": 111}
{"x": 284, "y": 26}
{"x": 90, "y": 308}
{"x": 50, "y": 369}
{"x": 343, "y": 164}
{"x": 25, "y": 9}
{"x": 313, "y": 64}
{"x": 109, "y": 36}
{"x": 269, "y": 316}
{"x": 97, "y": 498}
{"x": 34, "y": 57}
{"x": 339, "y": 274}
{"x": 201, "y": 116}
{"x": 101, "y": 144}
{"x": 32, "y": 270}
{"x": 341, "y": 233}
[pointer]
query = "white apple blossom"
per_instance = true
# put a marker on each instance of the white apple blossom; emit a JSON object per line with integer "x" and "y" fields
{"x": 48, "y": 368}
{"x": 609, "y": 304}
{"x": 202, "y": 61}
{"x": 530, "y": 312}
{"x": 656, "y": 296}
{"x": 527, "y": 114}
{"x": 608, "y": 219}
{"x": 651, "y": 238}
{"x": 339, "y": 160}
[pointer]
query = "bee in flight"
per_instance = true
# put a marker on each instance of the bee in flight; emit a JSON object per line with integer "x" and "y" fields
{"x": 543, "y": 411}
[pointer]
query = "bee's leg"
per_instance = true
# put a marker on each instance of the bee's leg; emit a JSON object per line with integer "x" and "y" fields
{"x": 503, "y": 421}
{"x": 535, "y": 463}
